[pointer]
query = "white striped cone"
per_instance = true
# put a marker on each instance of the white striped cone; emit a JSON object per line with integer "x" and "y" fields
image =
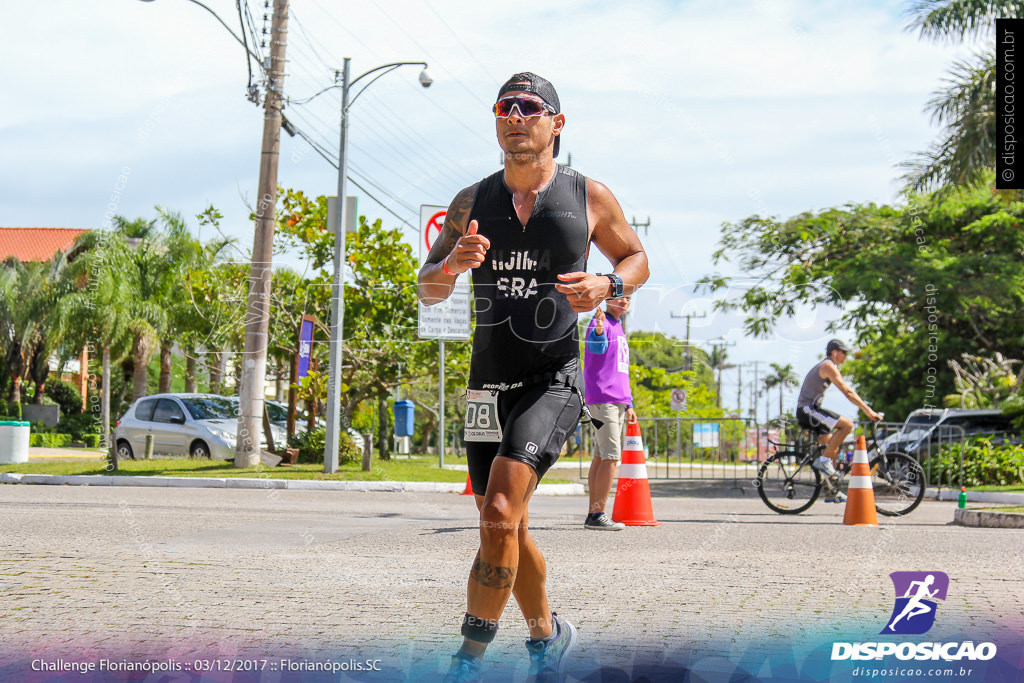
{"x": 633, "y": 495}
{"x": 860, "y": 496}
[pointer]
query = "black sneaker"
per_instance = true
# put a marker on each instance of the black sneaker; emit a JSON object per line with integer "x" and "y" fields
{"x": 602, "y": 523}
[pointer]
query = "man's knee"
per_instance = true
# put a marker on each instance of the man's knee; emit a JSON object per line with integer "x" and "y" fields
{"x": 499, "y": 519}
{"x": 844, "y": 426}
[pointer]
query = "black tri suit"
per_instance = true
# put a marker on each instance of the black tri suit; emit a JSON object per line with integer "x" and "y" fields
{"x": 524, "y": 398}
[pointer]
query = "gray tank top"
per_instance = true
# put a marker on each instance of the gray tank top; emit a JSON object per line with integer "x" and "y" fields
{"x": 813, "y": 388}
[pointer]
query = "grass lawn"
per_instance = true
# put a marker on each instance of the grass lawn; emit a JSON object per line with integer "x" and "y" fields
{"x": 1009, "y": 488}
{"x": 397, "y": 469}
{"x": 1013, "y": 508}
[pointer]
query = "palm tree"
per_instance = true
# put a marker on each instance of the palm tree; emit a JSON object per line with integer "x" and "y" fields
{"x": 716, "y": 359}
{"x": 28, "y": 292}
{"x": 966, "y": 105}
{"x": 102, "y": 310}
{"x": 783, "y": 377}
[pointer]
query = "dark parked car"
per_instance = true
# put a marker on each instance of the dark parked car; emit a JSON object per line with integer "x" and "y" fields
{"x": 930, "y": 428}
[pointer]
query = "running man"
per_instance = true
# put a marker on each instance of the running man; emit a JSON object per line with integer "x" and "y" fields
{"x": 829, "y": 427}
{"x": 525, "y": 232}
{"x": 914, "y": 606}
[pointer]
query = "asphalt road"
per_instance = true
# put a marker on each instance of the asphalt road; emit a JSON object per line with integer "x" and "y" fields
{"x": 193, "y": 573}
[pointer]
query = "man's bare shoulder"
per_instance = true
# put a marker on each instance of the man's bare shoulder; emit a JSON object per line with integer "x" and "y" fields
{"x": 598, "y": 194}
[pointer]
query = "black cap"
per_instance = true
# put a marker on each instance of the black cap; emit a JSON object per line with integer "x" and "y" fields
{"x": 836, "y": 345}
{"x": 532, "y": 83}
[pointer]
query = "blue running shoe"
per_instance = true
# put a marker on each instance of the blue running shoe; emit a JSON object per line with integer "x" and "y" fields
{"x": 464, "y": 669}
{"x": 548, "y": 658}
{"x": 837, "y": 497}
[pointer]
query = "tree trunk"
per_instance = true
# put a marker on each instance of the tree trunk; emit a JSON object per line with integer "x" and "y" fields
{"x": 140, "y": 357}
{"x": 384, "y": 431}
{"x": 166, "y": 367}
{"x": 213, "y": 360}
{"x": 280, "y": 381}
{"x": 190, "y": 371}
{"x": 16, "y": 368}
{"x": 105, "y": 400}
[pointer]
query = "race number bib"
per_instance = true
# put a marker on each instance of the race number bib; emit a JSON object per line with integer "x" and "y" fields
{"x": 623, "y": 352}
{"x": 482, "y": 416}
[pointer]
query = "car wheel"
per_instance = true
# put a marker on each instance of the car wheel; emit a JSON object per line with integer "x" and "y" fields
{"x": 200, "y": 450}
{"x": 124, "y": 450}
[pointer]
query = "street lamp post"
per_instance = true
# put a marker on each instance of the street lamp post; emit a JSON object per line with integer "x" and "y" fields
{"x": 331, "y": 439}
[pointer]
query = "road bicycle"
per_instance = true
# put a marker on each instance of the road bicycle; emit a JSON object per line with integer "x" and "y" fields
{"x": 789, "y": 485}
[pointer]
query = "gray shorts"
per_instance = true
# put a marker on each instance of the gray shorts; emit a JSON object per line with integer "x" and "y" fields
{"x": 608, "y": 442}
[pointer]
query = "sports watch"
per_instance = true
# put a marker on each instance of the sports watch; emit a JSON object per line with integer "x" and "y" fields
{"x": 616, "y": 284}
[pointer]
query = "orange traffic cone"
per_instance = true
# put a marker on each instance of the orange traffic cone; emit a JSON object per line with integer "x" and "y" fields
{"x": 633, "y": 496}
{"x": 860, "y": 496}
{"x": 469, "y": 487}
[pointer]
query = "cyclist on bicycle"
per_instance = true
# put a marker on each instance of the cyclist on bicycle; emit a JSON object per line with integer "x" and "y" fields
{"x": 826, "y": 425}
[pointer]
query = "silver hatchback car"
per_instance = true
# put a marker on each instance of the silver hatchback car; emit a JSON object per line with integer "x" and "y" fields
{"x": 199, "y": 425}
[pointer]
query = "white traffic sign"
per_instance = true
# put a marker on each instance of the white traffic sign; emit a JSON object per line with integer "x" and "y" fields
{"x": 450, "y": 318}
{"x": 431, "y": 223}
{"x": 679, "y": 399}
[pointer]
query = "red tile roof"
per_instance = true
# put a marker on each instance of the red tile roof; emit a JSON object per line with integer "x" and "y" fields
{"x": 36, "y": 244}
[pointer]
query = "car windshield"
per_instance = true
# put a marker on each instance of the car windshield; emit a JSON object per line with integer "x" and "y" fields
{"x": 276, "y": 413}
{"x": 917, "y": 426}
{"x": 211, "y": 407}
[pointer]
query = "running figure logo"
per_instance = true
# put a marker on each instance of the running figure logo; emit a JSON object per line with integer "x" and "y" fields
{"x": 914, "y": 612}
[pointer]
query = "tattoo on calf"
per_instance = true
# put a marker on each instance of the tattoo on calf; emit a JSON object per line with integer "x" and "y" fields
{"x": 492, "y": 576}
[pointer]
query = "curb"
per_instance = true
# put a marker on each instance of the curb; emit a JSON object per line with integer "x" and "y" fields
{"x": 988, "y": 519}
{"x": 976, "y": 496}
{"x": 291, "y": 484}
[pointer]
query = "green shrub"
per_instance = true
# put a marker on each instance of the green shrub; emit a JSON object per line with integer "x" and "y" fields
{"x": 79, "y": 425}
{"x": 14, "y": 409}
{"x": 311, "y": 447}
{"x": 91, "y": 440}
{"x": 49, "y": 440}
{"x": 984, "y": 464}
{"x": 65, "y": 395}
{"x": 1014, "y": 407}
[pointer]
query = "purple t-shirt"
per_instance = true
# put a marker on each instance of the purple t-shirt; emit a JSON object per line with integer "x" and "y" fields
{"x": 606, "y": 364}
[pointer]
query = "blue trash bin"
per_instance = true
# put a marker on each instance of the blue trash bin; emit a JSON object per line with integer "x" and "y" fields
{"x": 404, "y": 417}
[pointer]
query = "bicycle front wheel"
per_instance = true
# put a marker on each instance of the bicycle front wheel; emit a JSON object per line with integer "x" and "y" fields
{"x": 899, "y": 483}
{"x": 786, "y": 484}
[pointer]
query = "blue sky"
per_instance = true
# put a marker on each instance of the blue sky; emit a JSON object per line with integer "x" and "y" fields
{"x": 693, "y": 113}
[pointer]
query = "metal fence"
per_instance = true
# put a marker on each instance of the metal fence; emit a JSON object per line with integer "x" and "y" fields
{"x": 694, "y": 448}
{"x": 733, "y": 448}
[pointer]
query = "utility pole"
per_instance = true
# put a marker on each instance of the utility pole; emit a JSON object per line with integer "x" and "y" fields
{"x": 637, "y": 226}
{"x": 688, "y": 316}
{"x": 753, "y": 393}
{"x": 257, "y": 319}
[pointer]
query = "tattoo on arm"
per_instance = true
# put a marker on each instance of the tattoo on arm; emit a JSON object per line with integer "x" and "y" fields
{"x": 492, "y": 576}
{"x": 455, "y": 222}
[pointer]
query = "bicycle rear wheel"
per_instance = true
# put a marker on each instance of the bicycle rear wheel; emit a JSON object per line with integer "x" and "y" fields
{"x": 899, "y": 483}
{"x": 786, "y": 484}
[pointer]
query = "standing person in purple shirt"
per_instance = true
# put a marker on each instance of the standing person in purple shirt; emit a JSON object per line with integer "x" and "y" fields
{"x": 606, "y": 382}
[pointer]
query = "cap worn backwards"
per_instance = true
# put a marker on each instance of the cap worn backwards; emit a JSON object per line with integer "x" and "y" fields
{"x": 836, "y": 345}
{"x": 532, "y": 83}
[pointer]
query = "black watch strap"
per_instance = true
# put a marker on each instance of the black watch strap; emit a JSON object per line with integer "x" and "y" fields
{"x": 616, "y": 284}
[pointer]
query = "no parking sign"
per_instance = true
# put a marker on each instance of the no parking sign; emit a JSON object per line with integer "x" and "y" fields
{"x": 450, "y": 318}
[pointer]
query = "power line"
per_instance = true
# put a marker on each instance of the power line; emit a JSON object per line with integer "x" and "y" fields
{"x": 459, "y": 40}
{"x": 333, "y": 162}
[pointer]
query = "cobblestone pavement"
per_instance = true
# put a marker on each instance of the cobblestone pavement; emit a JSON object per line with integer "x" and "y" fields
{"x": 189, "y": 572}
